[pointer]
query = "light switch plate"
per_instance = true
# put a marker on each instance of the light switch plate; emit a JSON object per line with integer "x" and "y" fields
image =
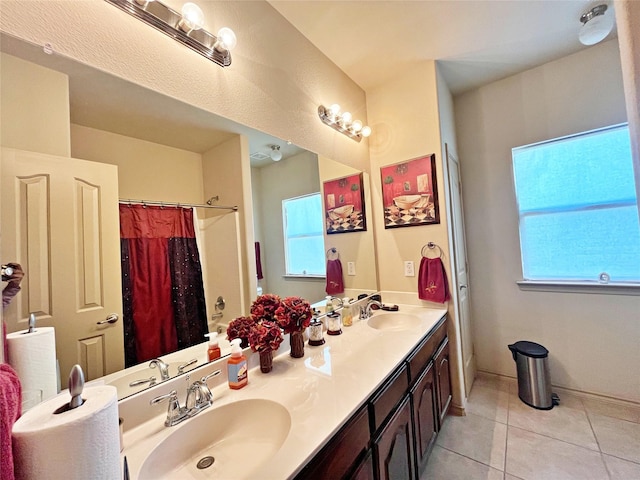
{"x": 351, "y": 268}
{"x": 408, "y": 269}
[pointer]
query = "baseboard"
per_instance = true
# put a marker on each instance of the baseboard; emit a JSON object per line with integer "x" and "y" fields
{"x": 578, "y": 393}
{"x": 457, "y": 411}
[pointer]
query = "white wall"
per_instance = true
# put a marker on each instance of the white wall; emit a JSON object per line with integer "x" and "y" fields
{"x": 593, "y": 339}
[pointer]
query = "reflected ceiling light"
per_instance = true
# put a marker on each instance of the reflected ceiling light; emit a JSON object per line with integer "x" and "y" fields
{"x": 276, "y": 154}
{"x": 343, "y": 122}
{"x": 185, "y": 27}
{"x": 596, "y": 25}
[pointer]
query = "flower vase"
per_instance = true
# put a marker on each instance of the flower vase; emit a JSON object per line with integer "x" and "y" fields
{"x": 297, "y": 344}
{"x": 266, "y": 360}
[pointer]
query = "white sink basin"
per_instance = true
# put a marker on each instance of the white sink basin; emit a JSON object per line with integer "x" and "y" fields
{"x": 393, "y": 321}
{"x": 239, "y": 436}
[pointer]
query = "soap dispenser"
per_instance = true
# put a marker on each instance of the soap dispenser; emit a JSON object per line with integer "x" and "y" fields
{"x": 237, "y": 366}
{"x": 347, "y": 313}
{"x": 213, "y": 351}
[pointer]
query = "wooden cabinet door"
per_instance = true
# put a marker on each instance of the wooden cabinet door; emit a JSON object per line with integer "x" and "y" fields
{"x": 443, "y": 380}
{"x": 425, "y": 417}
{"x": 394, "y": 459}
{"x": 364, "y": 471}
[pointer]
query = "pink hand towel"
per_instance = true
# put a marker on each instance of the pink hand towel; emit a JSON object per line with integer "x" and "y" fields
{"x": 432, "y": 281}
{"x": 335, "y": 283}
{"x": 10, "y": 411}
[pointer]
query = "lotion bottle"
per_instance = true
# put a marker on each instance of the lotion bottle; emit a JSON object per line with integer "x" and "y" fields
{"x": 347, "y": 313}
{"x": 237, "y": 366}
{"x": 213, "y": 352}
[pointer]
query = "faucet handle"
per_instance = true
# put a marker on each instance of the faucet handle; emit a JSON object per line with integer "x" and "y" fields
{"x": 211, "y": 375}
{"x": 175, "y": 413}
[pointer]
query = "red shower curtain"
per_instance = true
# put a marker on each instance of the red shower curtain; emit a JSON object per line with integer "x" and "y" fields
{"x": 163, "y": 295}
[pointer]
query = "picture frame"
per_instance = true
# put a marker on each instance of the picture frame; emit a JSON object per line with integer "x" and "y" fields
{"x": 344, "y": 206}
{"x": 410, "y": 193}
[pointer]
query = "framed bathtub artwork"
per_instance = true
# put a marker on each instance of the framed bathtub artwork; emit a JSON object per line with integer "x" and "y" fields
{"x": 344, "y": 209}
{"x": 410, "y": 193}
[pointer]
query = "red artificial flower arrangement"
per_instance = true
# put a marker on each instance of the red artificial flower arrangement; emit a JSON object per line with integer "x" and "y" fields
{"x": 264, "y": 307}
{"x": 240, "y": 327}
{"x": 294, "y": 314}
{"x": 265, "y": 335}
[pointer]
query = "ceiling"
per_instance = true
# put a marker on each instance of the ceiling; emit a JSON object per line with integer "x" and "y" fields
{"x": 476, "y": 41}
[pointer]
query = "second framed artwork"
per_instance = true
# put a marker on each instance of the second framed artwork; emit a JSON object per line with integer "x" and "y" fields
{"x": 344, "y": 209}
{"x": 410, "y": 193}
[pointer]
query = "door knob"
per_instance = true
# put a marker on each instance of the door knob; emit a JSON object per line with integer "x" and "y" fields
{"x": 113, "y": 318}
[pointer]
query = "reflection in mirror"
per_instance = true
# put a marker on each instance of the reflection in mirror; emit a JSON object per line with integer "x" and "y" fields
{"x": 163, "y": 150}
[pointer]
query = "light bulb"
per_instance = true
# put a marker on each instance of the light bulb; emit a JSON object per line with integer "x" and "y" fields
{"x": 192, "y": 17}
{"x": 276, "y": 154}
{"x": 366, "y": 131}
{"x": 346, "y": 118}
{"x": 333, "y": 111}
{"x": 356, "y": 126}
{"x": 226, "y": 40}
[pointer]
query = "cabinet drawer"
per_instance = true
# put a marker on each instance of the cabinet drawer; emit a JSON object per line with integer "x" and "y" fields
{"x": 421, "y": 356}
{"x": 388, "y": 397}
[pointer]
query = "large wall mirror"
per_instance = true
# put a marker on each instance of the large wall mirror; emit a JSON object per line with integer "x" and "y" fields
{"x": 164, "y": 151}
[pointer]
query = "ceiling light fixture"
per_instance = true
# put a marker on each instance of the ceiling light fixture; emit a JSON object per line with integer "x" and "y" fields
{"x": 185, "y": 27}
{"x": 596, "y": 25}
{"x": 276, "y": 154}
{"x": 342, "y": 122}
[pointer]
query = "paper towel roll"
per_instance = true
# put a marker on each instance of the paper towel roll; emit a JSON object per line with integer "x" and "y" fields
{"x": 33, "y": 357}
{"x": 79, "y": 444}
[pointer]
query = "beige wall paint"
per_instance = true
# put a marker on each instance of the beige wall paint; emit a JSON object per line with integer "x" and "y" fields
{"x": 404, "y": 115}
{"x": 146, "y": 170}
{"x": 292, "y": 177}
{"x": 357, "y": 247}
{"x": 34, "y": 107}
{"x": 226, "y": 173}
{"x": 275, "y": 83}
{"x": 593, "y": 339}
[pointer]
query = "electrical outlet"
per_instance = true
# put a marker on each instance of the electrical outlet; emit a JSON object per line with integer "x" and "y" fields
{"x": 351, "y": 268}
{"x": 408, "y": 269}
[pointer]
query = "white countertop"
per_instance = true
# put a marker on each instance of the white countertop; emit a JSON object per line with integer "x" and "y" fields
{"x": 321, "y": 391}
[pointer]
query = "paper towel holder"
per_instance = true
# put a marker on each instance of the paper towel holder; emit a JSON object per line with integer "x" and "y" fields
{"x": 76, "y": 385}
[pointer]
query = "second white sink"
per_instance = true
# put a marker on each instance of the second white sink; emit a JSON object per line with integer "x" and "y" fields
{"x": 393, "y": 321}
{"x": 234, "y": 440}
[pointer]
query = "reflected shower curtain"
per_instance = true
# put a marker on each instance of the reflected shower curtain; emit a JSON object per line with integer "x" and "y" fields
{"x": 162, "y": 291}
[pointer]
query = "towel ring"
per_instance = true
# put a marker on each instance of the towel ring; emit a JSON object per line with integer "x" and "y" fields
{"x": 431, "y": 246}
{"x": 332, "y": 254}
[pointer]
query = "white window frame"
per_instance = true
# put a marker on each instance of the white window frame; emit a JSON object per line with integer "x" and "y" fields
{"x": 571, "y": 286}
{"x": 288, "y": 272}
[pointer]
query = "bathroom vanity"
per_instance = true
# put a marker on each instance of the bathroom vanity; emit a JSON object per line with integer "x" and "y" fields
{"x": 366, "y": 404}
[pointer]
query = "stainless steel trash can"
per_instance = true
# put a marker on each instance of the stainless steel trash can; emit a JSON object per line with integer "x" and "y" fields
{"x": 534, "y": 381}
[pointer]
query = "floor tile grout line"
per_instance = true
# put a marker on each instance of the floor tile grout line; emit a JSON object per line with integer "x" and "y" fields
{"x": 595, "y": 435}
{"x": 554, "y": 438}
{"x": 469, "y": 458}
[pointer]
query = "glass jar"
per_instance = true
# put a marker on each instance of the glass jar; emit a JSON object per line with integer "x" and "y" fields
{"x": 334, "y": 323}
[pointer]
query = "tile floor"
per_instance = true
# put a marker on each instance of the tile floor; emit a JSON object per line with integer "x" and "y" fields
{"x": 501, "y": 438}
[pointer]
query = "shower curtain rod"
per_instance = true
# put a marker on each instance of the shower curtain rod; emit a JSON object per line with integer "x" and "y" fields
{"x": 175, "y": 204}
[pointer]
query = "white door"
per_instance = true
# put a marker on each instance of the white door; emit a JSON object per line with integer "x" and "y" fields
{"x": 60, "y": 221}
{"x": 461, "y": 281}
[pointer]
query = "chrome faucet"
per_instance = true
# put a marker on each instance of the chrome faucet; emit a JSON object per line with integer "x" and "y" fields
{"x": 175, "y": 413}
{"x": 163, "y": 367}
{"x": 181, "y": 368}
{"x": 199, "y": 395}
{"x": 365, "y": 312}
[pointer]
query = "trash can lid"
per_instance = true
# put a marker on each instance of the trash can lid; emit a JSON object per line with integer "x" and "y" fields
{"x": 529, "y": 349}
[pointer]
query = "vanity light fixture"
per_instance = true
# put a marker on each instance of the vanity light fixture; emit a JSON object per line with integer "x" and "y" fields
{"x": 596, "y": 25}
{"x": 276, "y": 154}
{"x": 343, "y": 122}
{"x": 185, "y": 27}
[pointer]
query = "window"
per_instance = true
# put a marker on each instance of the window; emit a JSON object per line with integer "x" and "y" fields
{"x": 578, "y": 209}
{"x": 303, "y": 235}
